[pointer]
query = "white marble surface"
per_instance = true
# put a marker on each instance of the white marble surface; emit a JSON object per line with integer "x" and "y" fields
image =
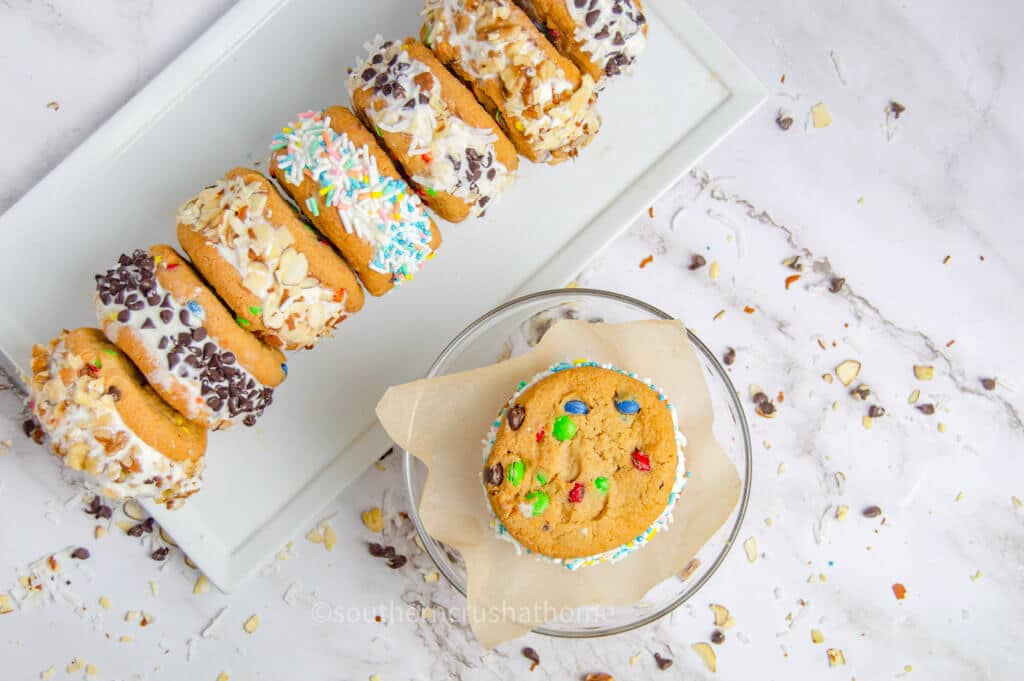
{"x": 943, "y": 180}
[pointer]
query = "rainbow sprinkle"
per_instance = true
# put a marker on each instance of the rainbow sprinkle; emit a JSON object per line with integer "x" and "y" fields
{"x": 378, "y": 209}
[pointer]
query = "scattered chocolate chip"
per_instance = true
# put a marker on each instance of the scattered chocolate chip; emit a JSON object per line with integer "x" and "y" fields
{"x": 760, "y": 398}
{"x": 730, "y": 357}
{"x": 376, "y": 550}
{"x": 927, "y": 408}
{"x": 662, "y": 662}
{"x": 81, "y": 553}
{"x": 836, "y": 285}
{"x": 988, "y": 383}
{"x": 516, "y": 415}
{"x": 389, "y": 552}
{"x": 896, "y": 108}
{"x": 160, "y": 553}
{"x": 861, "y": 392}
{"x": 28, "y": 426}
{"x": 766, "y": 408}
{"x": 784, "y": 121}
{"x": 698, "y": 261}
{"x": 875, "y": 411}
{"x": 135, "y": 530}
{"x": 147, "y": 525}
{"x": 531, "y": 655}
{"x": 397, "y": 562}
{"x": 104, "y": 512}
{"x": 495, "y": 475}
{"x": 717, "y": 637}
{"x": 871, "y": 512}
{"x": 114, "y": 392}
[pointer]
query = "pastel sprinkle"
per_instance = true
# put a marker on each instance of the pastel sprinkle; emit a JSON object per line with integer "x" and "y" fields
{"x": 564, "y": 428}
{"x": 641, "y": 461}
{"x": 284, "y": 368}
{"x": 540, "y": 435}
{"x": 576, "y": 493}
{"x": 242, "y": 322}
{"x": 172, "y": 265}
{"x": 256, "y": 310}
{"x": 194, "y": 307}
{"x": 110, "y": 351}
{"x": 541, "y": 477}
{"x": 576, "y": 407}
{"x": 515, "y": 472}
{"x": 540, "y": 501}
{"x": 601, "y": 484}
{"x": 431, "y": 192}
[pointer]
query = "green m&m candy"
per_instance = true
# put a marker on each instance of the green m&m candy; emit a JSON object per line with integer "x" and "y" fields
{"x": 601, "y": 484}
{"x": 540, "y": 501}
{"x": 515, "y": 472}
{"x": 564, "y": 429}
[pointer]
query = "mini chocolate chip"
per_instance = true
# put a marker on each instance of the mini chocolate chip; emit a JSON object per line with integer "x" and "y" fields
{"x": 163, "y": 343}
{"x": 28, "y": 426}
{"x": 531, "y": 655}
{"x": 927, "y": 408}
{"x": 228, "y": 358}
{"x": 148, "y": 324}
{"x": 784, "y": 121}
{"x": 114, "y": 392}
{"x": 662, "y": 662}
{"x": 376, "y": 550}
{"x": 249, "y": 420}
{"x": 397, "y": 562}
{"x": 389, "y": 552}
{"x": 988, "y": 383}
{"x": 368, "y": 74}
{"x": 592, "y": 16}
{"x": 698, "y": 261}
{"x": 872, "y": 512}
{"x": 135, "y": 530}
{"x": 495, "y": 475}
{"x": 717, "y": 637}
{"x": 104, "y": 512}
{"x": 135, "y": 305}
{"x": 730, "y": 357}
{"x": 172, "y": 360}
{"x": 214, "y": 402}
{"x": 516, "y": 415}
{"x": 875, "y": 411}
{"x": 836, "y": 285}
{"x": 123, "y": 316}
{"x": 184, "y": 316}
{"x": 160, "y": 553}
{"x": 81, "y": 553}
{"x": 147, "y": 525}
{"x": 199, "y": 333}
{"x": 166, "y": 316}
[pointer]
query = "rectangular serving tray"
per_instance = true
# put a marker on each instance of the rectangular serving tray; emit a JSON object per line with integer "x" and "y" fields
{"x": 217, "y": 106}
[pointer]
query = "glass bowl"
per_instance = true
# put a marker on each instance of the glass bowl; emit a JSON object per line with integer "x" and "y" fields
{"x": 512, "y": 329}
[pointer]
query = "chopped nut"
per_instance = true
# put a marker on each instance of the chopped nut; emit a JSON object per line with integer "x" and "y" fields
{"x": 847, "y": 371}
{"x": 132, "y": 615}
{"x": 783, "y": 120}
{"x": 976, "y": 576}
{"x": 721, "y": 614}
{"x": 707, "y": 655}
{"x": 730, "y": 356}
{"x": 53, "y": 106}
{"x": 867, "y": 422}
{"x": 836, "y": 284}
{"x": 841, "y": 511}
{"x": 76, "y": 665}
{"x": 718, "y": 315}
{"x": 861, "y": 392}
{"x": 697, "y": 261}
{"x": 820, "y": 116}
{"x": 5, "y": 605}
{"x": 330, "y": 538}
{"x": 662, "y": 662}
{"x": 125, "y": 639}
{"x": 827, "y": 378}
{"x": 988, "y": 383}
{"x": 316, "y": 535}
{"x": 713, "y": 271}
{"x": 374, "y": 519}
{"x": 750, "y": 546}
{"x": 895, "y": 108}
{"x": 105, "y": 602}
{"x": 202, "y": 585}
{"x": 48, "y": 674}
{"x": 817, "y": 636}
{"x": 927, "y": 408}
{"x": 875, "y": 411}
{"x": 924, "y": 372}
{"x": 717, "y": 637}
{"x": 793, "y": 263}
{"x": 692, "y": 566}
{"x": 871, "y": 512}
{"x": 251, "y": 624}
{"x": 99, "y": 532}
{"x": 531, "y": 655}
{"x": 835, "y": 657}
{"x": 223, "y": 676}
{"x": 134, "y": 511}
{"x": 633, "y": 659}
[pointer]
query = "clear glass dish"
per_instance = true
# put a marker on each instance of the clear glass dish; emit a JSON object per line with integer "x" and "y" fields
{"x": 512, "y": 329}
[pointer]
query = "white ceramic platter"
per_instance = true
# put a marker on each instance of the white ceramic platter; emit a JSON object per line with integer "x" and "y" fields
{"x": 217, "y": 106}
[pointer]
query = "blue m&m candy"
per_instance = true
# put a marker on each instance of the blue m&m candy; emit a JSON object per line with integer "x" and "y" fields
{"x": 577, "y": 407}
{"x": 627, "y": 406}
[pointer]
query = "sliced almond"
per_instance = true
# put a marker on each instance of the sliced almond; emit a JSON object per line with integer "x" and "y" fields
{"x": 835, "y": 657}
{"x": 721, "y": 614}
{"x": 867, "y": 422}
{"x": 5, "y": 605}
{"x": 689, "y": 569}
{"x": 330, "y": 538}
{"x": 167, "y": 538}
{"x": 707, "y": 655}
{"x": 750, "y": 546}
{"x": 154, "y": 588}
{"x": 841, "y": 512}
{"x": 847, "y": 371}
{"x": 431, "y": 577}
{"x": 817, "y": 636}
{"x": 924, "y": 372}
{"x": 99, "y": 532}
{"x": 713, "y": 271}
{"x": 188, "y": 561}
{"x": 132, "y": 616}
{"x": 914, "y": 397}
{"x": 134, "y": 511}
{"x": 105, "y": 602}
{"x": 374, "y": 519}
{"x": 223, "y": 676}
{"x": 251, "y": 624}
{"x": 827, "y": 378}
{"x": 48, "y": 674}
{"x": 202, "y": 585}
{"x": 820, "y": 116}
{"x": 316, "y": 536}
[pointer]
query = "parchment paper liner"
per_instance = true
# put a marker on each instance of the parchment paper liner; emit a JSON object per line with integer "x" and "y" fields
{"x": 443, "y": 420}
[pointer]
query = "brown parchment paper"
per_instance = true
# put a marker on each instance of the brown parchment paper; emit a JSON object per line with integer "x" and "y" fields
{"x": 443, "y": 421}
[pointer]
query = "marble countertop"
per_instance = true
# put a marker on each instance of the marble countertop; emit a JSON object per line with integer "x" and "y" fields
{"x": 914, "y": 219}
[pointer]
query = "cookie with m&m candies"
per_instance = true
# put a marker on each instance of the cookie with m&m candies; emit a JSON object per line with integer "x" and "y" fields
{"x": 583, "y": 464}
{"x": 97, "y": 413}
{"x": 282, "y": 280}
{"x": 343, "y": 182}
{"x": 193, "y": 352}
